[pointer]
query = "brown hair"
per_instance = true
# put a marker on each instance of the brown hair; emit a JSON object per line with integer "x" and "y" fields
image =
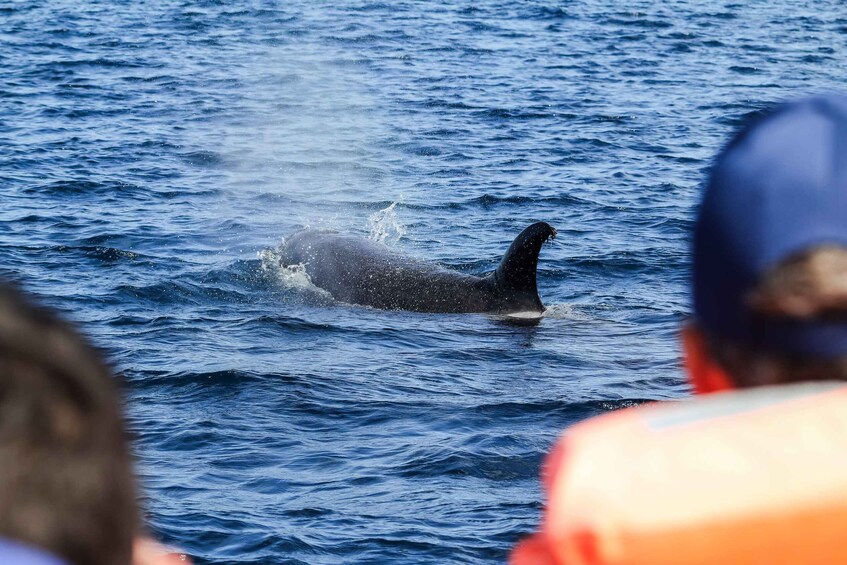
{"x": 66, "y": 482}
{"x": 809, "y": 286}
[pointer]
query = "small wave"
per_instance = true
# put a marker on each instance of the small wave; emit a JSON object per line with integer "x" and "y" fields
{"x": 518, "y": 114}
{"x": 550, "y": 13}
{"x": 744, "y": 70}
{"x": 434, "y": 462}
{"x": 100, "y": 62}
{"x": 491, "y": 200}
{"x": 101, "y": 253}
{"x": 198, "y": 294}
{"x": 636, "y": 19}
{"x": 565, "y": 312}
{"x": 64, "y": 187}
{"x": 579, "y": 410}
{"x": 225, "y": 378}
{"x": 204, "y": 159}
{"x": 80, "y": 187}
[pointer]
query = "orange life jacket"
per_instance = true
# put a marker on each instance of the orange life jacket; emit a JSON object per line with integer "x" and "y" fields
{"x": 751, "y": 477}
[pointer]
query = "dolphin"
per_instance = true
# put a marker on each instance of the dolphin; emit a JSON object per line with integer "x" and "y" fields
{"x": 356, "y": 270}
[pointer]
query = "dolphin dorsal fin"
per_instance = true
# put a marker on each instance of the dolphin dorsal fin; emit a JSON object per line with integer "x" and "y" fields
{"x": 515, "y": 276}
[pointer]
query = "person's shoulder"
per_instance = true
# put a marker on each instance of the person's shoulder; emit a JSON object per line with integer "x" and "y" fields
{"x": 17, "y": 553}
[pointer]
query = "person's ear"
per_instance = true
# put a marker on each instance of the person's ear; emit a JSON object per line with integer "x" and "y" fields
{"x": 704, "y": 373}
{"x": 147, "y": 551}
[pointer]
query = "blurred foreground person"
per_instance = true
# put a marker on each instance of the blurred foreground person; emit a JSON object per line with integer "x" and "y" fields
{"x": 67, "y": 489}
{"x": 754, "y": 476}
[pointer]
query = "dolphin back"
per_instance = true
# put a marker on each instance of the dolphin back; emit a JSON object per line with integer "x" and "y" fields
{"x": 356, "y": 270}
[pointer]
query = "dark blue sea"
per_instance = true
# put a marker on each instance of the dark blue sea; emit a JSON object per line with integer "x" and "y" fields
{"x": 153, "y": 155}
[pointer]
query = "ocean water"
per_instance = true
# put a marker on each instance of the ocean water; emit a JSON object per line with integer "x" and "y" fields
{"x": 154, "y": 154}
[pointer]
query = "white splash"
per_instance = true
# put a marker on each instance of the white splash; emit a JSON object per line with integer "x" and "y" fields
{"x": 385, "y": 226}
{"x": 292, "y": 277}
{"x": 565, "y": 312}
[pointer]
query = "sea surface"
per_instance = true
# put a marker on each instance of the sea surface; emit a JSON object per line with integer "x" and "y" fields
{"x": 153, "y": 155}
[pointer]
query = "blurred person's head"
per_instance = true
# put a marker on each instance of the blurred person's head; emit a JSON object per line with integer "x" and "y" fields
{"x": 770, "y": 253}
{"x": 66, "y": 480}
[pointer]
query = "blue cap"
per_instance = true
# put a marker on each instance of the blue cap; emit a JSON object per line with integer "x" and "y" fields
{"x": 16, "y": 553}
{"x": 779, "y": 188}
